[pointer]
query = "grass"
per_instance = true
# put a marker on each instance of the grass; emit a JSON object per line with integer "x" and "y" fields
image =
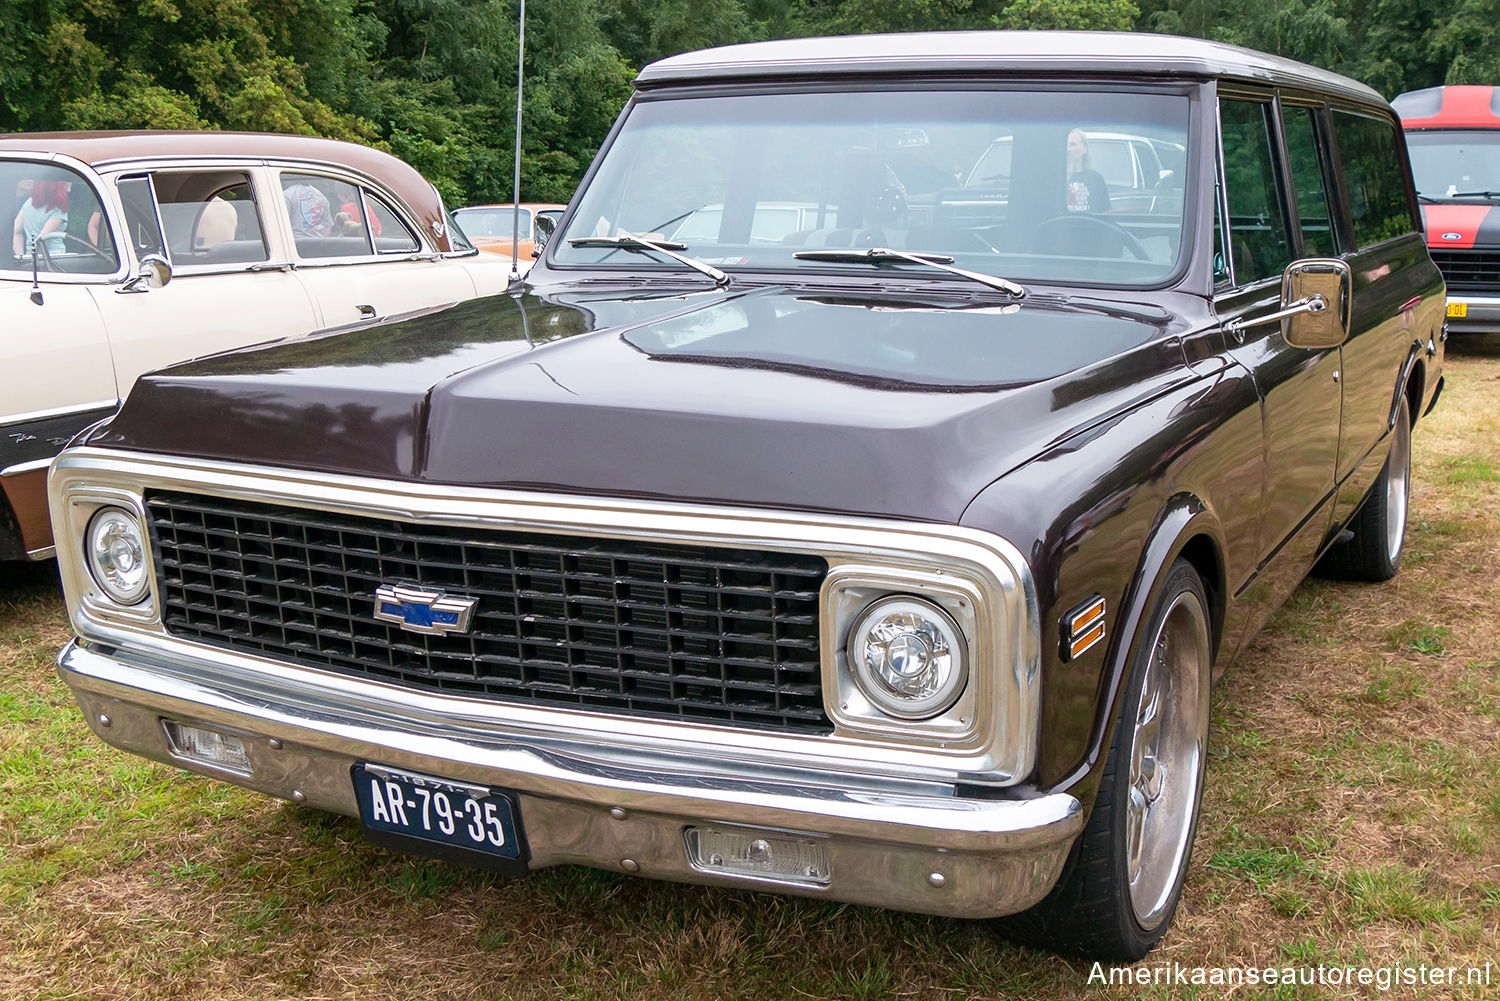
{"x": 1352, "y": 816}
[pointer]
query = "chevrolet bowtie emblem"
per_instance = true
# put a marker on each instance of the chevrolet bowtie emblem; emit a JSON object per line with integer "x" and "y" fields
{"x": 420, "y": 610}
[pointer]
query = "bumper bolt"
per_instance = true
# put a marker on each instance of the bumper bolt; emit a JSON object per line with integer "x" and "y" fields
{"x": 937, "y": 879}
{"x": 105, "y": 721}
{"x": 617, "y": 813}
{"x": 274, "y": 744}
{"x": 630, "y": 865}
{"x": 298, "y": 796}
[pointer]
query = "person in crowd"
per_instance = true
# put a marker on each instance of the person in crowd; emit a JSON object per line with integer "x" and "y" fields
{"x": 308, "y": 209}
{"x": 1087, "y": 191}
{"x": 43, "y": 216}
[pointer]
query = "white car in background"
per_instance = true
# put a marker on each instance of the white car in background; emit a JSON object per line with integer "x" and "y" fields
{"x": 260, "y": 236}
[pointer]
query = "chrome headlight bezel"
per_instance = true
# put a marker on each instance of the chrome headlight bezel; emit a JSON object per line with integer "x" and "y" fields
{"x": 72, "y": 523}
{"x": 851, "y": 592}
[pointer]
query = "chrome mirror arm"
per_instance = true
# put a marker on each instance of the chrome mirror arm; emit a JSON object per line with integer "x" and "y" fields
{"x": 1311, "y": 304}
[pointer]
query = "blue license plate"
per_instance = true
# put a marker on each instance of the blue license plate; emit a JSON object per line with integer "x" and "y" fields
{"x": 442, "y": 818}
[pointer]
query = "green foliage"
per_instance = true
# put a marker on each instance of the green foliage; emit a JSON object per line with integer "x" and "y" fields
{"x": 434, "y": 80}
{"x": 1070, "y": 15}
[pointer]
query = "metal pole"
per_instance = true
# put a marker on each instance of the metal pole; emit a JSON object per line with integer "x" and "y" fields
{"x": 515, "y": 231}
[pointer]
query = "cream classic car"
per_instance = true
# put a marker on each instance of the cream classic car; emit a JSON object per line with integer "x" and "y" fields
{"x": 260, "y": 236}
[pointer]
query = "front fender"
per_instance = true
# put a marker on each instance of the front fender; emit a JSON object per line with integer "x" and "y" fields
{"x": 1104, "y": 514}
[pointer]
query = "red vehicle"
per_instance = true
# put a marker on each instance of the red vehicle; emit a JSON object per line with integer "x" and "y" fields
{"x": 1453, "y": 134}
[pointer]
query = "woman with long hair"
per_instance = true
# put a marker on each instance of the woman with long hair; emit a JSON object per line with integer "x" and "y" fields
{"x": 43, "y": 216}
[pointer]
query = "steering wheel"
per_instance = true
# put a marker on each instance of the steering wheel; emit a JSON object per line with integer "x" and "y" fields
{"x": 44, "y": 254}
{"x": 1083, "y": 220}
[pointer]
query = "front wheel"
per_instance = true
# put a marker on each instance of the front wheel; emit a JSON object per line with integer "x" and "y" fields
{"x": 1379, "y": 526}
{"x": 1124, "y": 879}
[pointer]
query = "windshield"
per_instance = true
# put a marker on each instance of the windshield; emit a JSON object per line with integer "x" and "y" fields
{"x": 746, "y": 182}
{"x": 1446, "y": 163}
{"x": 493, "y": 222}
{"x": 56, "y": 213}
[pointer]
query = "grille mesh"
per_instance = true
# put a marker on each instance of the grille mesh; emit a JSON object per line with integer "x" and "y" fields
{"x": 1469, "y": 270}
{"x": 706, "y": 634}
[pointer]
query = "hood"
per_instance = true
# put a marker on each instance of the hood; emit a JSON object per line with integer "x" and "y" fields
{"x": 1462, "y": 226}
{"x": 859, "y": 403}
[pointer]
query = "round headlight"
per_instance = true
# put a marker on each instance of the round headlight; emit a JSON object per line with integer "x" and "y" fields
{"x": 117, "y": 555}
{"x": 908, "y": 657}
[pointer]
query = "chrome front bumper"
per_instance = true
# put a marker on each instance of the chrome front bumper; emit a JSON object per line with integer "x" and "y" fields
{"x": 1482, "y": 314}
{"x": 913, "y": 847}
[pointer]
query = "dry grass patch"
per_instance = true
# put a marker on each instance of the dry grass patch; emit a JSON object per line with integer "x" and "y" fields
{"x": 1352, "y": 816}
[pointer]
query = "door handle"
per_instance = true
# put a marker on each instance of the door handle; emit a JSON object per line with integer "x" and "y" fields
{"x": 366, "y": 312}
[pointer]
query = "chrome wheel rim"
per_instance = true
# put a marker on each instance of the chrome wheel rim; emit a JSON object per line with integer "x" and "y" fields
{"x": 1397, "y": 486}
{"x": 1166, "y": 758}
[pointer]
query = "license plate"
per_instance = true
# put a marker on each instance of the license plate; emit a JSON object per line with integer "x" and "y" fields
{"x": 441, "y": 818}
{"x": 1458, "y": 309}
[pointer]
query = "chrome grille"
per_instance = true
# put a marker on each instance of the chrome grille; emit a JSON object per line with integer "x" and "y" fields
{"x": 711, "y": 635}
{"x": 1469, "y": 270}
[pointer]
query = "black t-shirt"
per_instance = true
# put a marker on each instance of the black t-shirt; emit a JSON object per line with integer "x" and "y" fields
{"x": 1087, "y": 192}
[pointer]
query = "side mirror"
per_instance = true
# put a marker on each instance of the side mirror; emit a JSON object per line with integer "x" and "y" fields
{"x": 546, "y": 225}
{"x": 1321, "y": 287}
{"x": 154, "y": 273}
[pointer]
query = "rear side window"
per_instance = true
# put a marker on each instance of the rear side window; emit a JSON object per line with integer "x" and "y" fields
{"x": 1302, "y": 152}
{"x": 1369, "y": 152}
{"x": 333, "y": 218}
{"x": 1258, "y": 240}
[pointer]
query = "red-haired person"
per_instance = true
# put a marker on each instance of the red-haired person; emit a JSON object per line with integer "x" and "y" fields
{"x": 43, "y": 216}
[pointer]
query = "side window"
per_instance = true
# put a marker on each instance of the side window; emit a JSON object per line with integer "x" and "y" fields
{"x": 56, "y": 213}
{"x": 1257, "y": 225}
{"x": 335, "y": 218}
{"x": 1308, "y": 180}
{"x": 208, "y": 218}
{"x": 391, "y": 234}
{"x": 1368, "y": 152}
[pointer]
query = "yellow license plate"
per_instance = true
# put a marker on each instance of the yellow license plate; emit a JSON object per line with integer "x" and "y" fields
{"x": 1458, "y": 309}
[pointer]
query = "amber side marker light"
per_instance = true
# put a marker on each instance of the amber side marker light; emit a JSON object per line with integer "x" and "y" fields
{"x": 1082, "y": 627}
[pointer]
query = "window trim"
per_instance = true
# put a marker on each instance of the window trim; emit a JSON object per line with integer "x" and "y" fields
{"x": 1267, "y": 99}
{"x": 1333, "y": 193}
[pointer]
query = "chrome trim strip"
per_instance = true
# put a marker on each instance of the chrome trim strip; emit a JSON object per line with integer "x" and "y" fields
{"x": 36, "y": 415}
{"x": 25, "y": 467}
{"x": 997, "y": 746}
{"x": 45, "y": 553}
{"x": 584, "y": 802}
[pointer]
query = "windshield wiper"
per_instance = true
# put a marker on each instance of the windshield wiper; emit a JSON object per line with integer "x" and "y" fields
{"x": 1473, "y": 194}
{"x": 884, "y": 255}
{"x": 659, "y": 246}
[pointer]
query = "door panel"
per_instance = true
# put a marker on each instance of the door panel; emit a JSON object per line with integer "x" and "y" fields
{"x": 57, "y": 356}
{"x": 356, "y": 257}
{"x": 228, "y": 289}
{"x": 1301, "y": 395}
{"x": 196, "y": 315}
{"x": 1387, "y": 276}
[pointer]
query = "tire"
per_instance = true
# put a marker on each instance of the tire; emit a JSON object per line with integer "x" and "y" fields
{"x": 1123, "y": 880}
{"x": 1379, "y": 526}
